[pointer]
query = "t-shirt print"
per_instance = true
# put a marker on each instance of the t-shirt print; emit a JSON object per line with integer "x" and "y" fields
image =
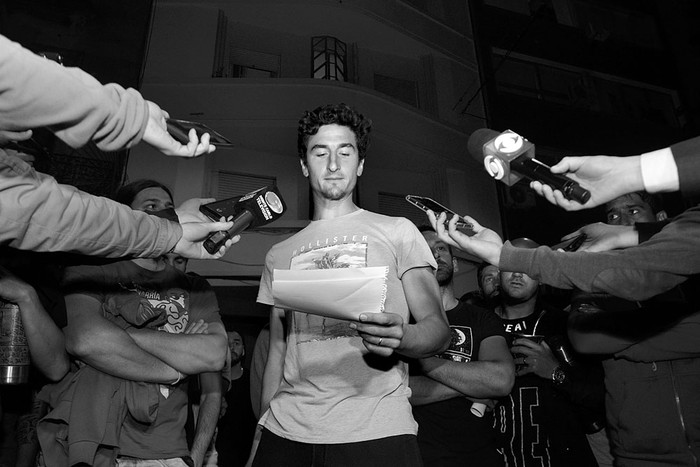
{"x": 461, "y": 344}
{"x": 309, "y": 327}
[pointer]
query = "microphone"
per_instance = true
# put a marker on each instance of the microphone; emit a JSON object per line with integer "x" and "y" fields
{"x": 509, "y": 157}
{"x": 251, "y": 210}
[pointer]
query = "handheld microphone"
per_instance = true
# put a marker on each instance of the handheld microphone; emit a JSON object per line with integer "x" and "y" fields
{"x": 254, "y": 209}
{"x": 509, "y": 157}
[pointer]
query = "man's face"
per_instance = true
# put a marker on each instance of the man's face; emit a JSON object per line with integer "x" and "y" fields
{"x": 628, "y": 209}
{"x": 517, "y": 286}
{"x": 235, "y": 343}
{"x": 176, "y": 261}
{"x": 443, "y": 257}
{"x": 332, "y": 162}
{"x": 151, "y": 200}
{"x": 490, "y": 281}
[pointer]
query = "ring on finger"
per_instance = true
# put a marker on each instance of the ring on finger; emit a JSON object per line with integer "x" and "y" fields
{"x": 380, "y": 341}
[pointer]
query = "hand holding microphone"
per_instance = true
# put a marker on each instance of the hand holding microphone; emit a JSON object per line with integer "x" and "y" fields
{"x": 254, "y": 209}
{"x": 509, "y": 157}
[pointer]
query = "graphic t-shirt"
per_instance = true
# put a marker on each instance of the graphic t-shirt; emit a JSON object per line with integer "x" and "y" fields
{"x": 181, "y": 302}
{"x": 447, "y": 430}
{"x": 333, "y": 390}
{"x": 538, "y": 425}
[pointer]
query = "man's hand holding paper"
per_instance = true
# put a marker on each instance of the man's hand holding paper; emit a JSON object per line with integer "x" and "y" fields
{"x": 353, "y": 294}
{"x": 335, "y": 293}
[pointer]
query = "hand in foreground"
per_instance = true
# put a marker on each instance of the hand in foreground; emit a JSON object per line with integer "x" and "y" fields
{"x": 605, "y": 177}
{"x": 8, "y": 136}
{"x": 157, "y": 135}
{"x": 538, "y": 358}
{"x": 485, "y": 243}
{"x": 189, "y": 211}
{"x": 605, "y": 237}
{"x": 13, "y": 289}
{"x": 191, "y": 244}
{"x": 381, "y": 332}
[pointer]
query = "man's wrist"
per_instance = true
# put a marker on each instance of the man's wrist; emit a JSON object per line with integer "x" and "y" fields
{"x": 628, "y": 238}
{"x": 658, "y": 171}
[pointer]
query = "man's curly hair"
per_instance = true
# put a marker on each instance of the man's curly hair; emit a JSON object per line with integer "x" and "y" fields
{"x": 339, "y": 114}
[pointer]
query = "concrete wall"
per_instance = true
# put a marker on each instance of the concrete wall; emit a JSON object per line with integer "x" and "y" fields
{"x": 412, "y": 151}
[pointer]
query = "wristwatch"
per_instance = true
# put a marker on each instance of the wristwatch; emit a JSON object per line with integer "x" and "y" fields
{"x": 558, "y": 376}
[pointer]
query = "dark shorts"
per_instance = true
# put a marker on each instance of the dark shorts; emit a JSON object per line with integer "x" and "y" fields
{"x": 394, "y": 451}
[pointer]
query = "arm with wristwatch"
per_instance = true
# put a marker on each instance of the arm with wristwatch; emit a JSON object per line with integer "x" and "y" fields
{"x": 578, "y": 378}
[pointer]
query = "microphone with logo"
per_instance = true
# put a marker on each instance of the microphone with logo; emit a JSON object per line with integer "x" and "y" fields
{"x": 509, "y": 157}
{"x": 251, "y": 210}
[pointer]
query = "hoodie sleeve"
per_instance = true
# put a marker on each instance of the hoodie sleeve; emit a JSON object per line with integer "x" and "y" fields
{"x": 36, "y": 92}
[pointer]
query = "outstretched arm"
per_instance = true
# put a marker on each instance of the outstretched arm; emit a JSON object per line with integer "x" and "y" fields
{"x": 665, "y": 170}
{"x": 485, "y": 243}
{"x": 40, "y": 214}
{"x": 78, "y": 108}
{"x": 604, "y": 176}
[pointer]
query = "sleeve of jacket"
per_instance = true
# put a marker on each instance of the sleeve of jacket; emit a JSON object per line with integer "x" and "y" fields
{"x": 678, "y": 341}
{"x": 39, "y": 214}
{"x": 639, "y": 273}
{"x": 687, "y": 157}
{"x": 36, "y": 92}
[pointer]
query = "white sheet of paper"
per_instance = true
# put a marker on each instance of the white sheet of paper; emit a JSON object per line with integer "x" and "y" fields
{"x": 336, "y": 293}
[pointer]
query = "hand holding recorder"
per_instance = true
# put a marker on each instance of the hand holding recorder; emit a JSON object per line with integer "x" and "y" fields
{"x": 254, "y": 209}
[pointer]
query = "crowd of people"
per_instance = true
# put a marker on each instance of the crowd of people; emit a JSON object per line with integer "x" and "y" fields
{"x": 371, "y": 359}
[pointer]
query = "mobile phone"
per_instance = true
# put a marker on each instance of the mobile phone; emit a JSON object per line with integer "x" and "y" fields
{"x": 571, "y": 245}
{"x": 180, "y": 129}
{"x": 424, "y": 204}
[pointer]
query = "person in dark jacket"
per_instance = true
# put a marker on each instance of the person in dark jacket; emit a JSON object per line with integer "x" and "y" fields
{"x": 652, "y": 376}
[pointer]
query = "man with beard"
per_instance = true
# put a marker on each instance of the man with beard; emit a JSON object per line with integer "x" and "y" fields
{"x": 138, "y": 328}
{"x": 237, "y": 425}
{"x": 453, "y": 429}
{"x": 540, "y": 419}
{"x": 488, "y": 294}
{"x": 652, "y": 357}
{"x": 336, "y": 389}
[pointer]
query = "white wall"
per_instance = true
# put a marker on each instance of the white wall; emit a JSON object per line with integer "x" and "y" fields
{"x": 411, "y": 150}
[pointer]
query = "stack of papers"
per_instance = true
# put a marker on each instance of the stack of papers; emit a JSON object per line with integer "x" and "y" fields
{"x": 335, "y": 293}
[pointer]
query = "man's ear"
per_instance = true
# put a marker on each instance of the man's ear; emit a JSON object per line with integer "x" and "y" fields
{"x": 455, "y": 266}
{"x": 661, "y": 215}
{"x": 304, "y": 169}
{"x": 360, "y": 167}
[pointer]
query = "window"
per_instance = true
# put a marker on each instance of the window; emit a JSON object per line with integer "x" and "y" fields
{"x": 229, "y": 184}
{"x": 584, "y": 89}
{"x": 328, "y": 58}
{"x": 244, "y": 63}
